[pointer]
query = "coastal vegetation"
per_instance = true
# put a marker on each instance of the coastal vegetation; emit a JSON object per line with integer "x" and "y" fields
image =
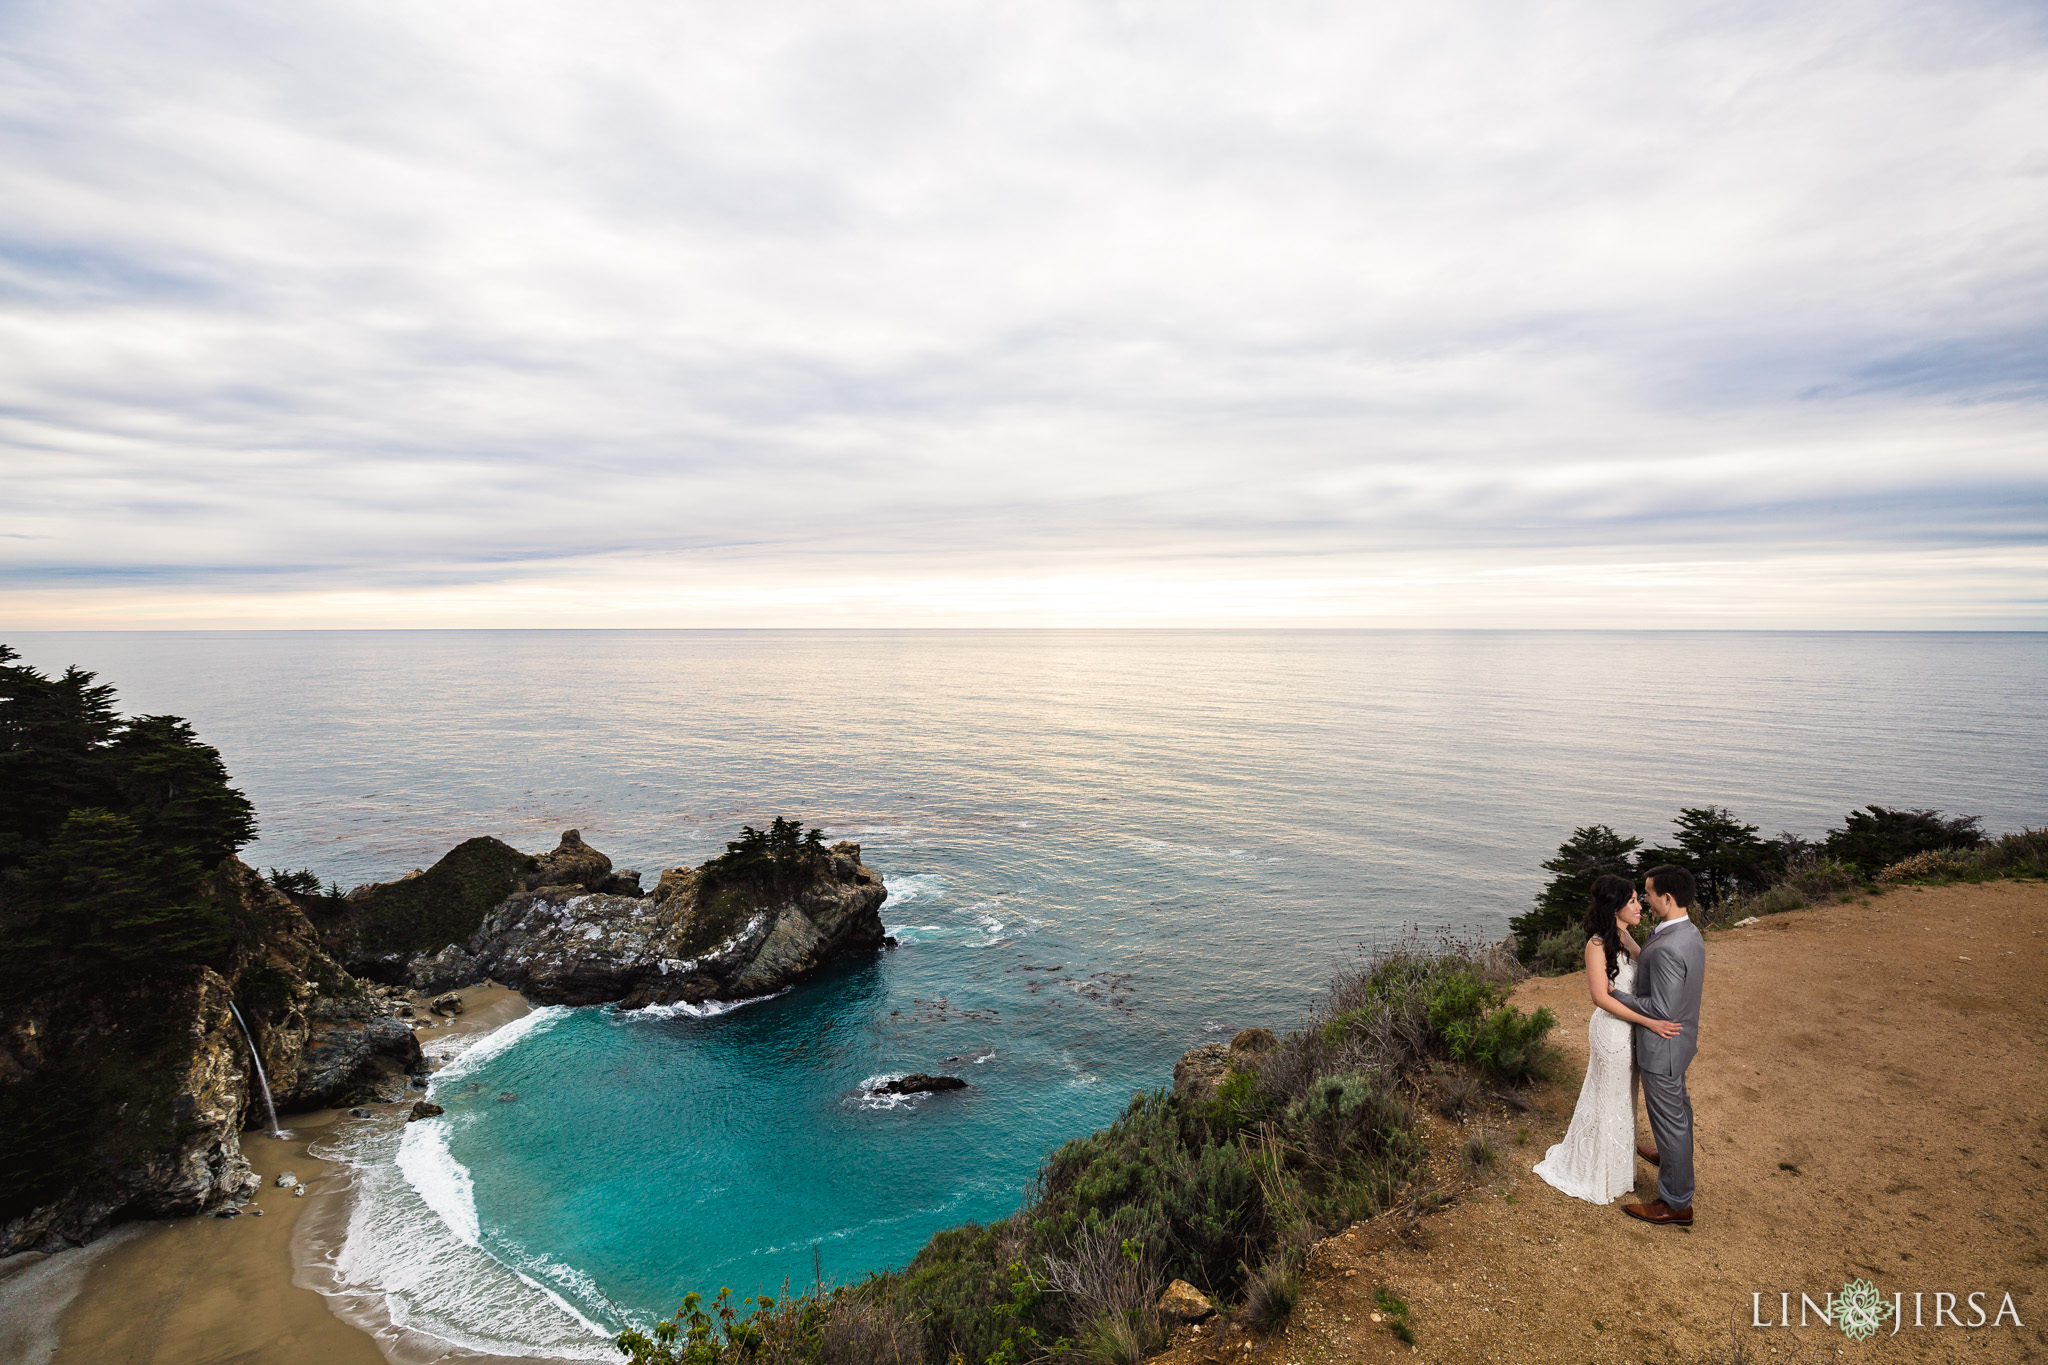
{"x": 109, "y": 829}
{"x": 1225, "y": 1190}
{"x": 1741, "y": 874}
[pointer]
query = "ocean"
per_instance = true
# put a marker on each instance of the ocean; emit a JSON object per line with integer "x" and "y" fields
{"x": 1101, "y": 848}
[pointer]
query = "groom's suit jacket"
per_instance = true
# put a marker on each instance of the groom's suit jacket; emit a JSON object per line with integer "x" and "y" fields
{"x": 1669, "y": 975}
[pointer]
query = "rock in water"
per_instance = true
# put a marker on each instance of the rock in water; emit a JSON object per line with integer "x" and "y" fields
{"x": 917, "y": 1083}
{"x": 286, "y": 1180}
{"x": 719, "y": 932}
{"x": 1182, "y": 1302}
{"x": 424, "y": 1110}
{"x": 360, "y": 1113}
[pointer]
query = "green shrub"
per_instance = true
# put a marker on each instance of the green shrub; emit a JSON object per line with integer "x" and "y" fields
{"x": 1396, "y": 1313}
{"x": 1240, "y": 1102}
{"x": 1349, "y": 1116}
{"x": 1563, "y": 953}
{"x": 1780, "y": 898}
{"x": 1876, "y": 837}
{"x": 1823, "y": 880}
{"x": 2023, "y": 853}
{"x": 1938, "y": 865}
{"x": 1509, "y": 1044}
{"x": 1273, "y": 1290}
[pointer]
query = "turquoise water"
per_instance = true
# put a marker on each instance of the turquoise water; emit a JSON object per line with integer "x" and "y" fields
{"x": 1102, "y": 848}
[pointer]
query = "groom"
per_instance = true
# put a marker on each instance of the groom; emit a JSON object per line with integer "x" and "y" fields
{"x": 1672, "y": 969}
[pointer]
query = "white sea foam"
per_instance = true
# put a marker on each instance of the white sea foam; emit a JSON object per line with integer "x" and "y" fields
{"x": 685, "y": 1010}
{"x": 866, "y": 1098}
{"x": 441, "y": 1181}
{"x": 411, "y": 1267}
{"x": 462, "y": 1055}
{"x": 918, "y": 886}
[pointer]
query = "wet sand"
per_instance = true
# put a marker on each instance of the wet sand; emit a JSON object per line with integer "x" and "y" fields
{"x": 209, "y": 1291}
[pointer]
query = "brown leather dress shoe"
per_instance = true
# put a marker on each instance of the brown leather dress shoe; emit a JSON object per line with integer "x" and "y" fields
{"x": 1657, "y": 1211}
{"x": 1648, "y": 1154}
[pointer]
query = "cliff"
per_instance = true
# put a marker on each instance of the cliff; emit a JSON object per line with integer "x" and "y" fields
{"x": 127, "y": 1087}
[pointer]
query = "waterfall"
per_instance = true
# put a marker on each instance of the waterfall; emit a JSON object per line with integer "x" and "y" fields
{"x": 261, "y": 1080}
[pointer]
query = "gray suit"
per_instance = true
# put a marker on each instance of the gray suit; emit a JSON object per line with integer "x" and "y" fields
{"x": 1669, "y": 976}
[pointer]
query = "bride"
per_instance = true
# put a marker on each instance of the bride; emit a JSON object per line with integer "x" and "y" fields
{"x": 1597, "y": 1159}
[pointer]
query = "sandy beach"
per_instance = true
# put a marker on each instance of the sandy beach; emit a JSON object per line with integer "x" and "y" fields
{"x": 201, "y": 1291}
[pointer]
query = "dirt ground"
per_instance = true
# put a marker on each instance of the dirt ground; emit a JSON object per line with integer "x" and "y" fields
{"x": 1868, "y": 1101}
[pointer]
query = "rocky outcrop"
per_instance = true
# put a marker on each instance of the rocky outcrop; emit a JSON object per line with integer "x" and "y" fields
{"x": 1201, "y": 1069}
{"x": 704, "y": 934}
{"x": 377, "y": 931}
{"x": 356, "y": 1050}
{"x": 573, "y": 864}
{"x": 443, "y": 971}
{"x": 133, "y": 1082}
{"x": 917, "y": 1083}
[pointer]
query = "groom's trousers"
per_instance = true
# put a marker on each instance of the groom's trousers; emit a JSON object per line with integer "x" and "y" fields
{"x": 1670, "y": 1107}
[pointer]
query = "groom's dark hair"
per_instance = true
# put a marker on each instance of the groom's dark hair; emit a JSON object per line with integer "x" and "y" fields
{"x": 1674, "y": 881}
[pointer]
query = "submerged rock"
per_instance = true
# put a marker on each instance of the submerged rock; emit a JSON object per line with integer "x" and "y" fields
{"x": 917, "y": 1083}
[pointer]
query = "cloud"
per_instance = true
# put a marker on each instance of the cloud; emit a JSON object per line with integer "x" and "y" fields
{"x": 367, "y": 313}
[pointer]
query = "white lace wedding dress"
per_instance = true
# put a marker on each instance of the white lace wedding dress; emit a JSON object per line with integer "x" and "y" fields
{"x": 1597, "y": 1159}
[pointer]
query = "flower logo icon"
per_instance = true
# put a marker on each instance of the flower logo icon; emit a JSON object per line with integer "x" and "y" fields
{"x": 1860, "y": 1310}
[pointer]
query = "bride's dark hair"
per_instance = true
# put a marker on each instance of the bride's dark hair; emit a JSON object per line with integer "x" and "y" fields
{"x": 1610, "y": 893}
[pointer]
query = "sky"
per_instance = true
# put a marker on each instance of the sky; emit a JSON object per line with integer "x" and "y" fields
{"x": 1049, "y": 314}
